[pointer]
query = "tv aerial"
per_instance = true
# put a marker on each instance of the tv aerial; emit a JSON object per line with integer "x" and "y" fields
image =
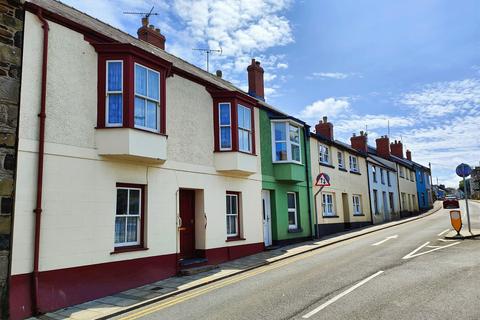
{"x": 208, "y": 52}
{"x": 145, "y": 15}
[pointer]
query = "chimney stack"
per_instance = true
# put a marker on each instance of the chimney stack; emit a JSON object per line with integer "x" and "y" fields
{"x": 324, "y": 128}
{"x": 219, "y": 73}
{"x": 383, "y": 146}
{"x": 255, "y": 80}
{"x": 150, "y": 34}
{"x": 409, "y": 155}
{"x": 397, "y": 149}
{"x": 360, "y": 142}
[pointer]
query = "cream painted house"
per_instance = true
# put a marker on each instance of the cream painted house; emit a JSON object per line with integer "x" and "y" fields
{"x": 345, "y": 203}
{"x": 150, "y": 164}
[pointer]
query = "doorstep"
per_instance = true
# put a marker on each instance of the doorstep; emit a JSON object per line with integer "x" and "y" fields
{"x": 129, "y": 300}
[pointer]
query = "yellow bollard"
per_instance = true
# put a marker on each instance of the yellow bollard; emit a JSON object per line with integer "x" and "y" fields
{"x": 456, "y": 220}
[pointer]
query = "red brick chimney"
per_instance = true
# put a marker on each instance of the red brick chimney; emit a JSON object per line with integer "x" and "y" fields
{"x": 383, "y": 146}
{"x": 397, "y": 148}
{"x": 255, "y": 80}
{"x": 360, "y": 142}
{"x": 409, "y": 155}
{"x": 324, "y": 128}
{"x": 151, "y": 34}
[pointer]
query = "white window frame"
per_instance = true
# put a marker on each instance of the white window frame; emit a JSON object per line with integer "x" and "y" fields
{"x": 382, "y": 178}
{"x": 249, "y": 131}
{"x": 220, "y": 126}
{"x": 108, "y": 93}
{"x": 401, "y": 171}
{"x": 354, "y": 168}
{"x": 237, "y": 216}
{"x": 328, "y": 208}
{"x": 375, "y": 202}
{"x": 326, "y": 154}
{"x": 288, "y": 142}
{"x": 128, "y": 215}
{"x": 374, "y": 174}
{"x": 412, "y": 176}
{"x": 357, "y": 205}
{"x": 389, "y": 182}
{"x": 135, "y": 94}
{"x": 292, "y": 210}
{"x": 341, "y": 159}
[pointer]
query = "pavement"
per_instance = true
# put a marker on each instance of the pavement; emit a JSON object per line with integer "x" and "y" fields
{"x": 133, "y": 299}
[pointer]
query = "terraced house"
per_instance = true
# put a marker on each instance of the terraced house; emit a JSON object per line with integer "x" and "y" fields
{"x": 345, "y": 204}
{"x": 382, "y": 182}
{"x": 145, "y": 164}
{"x": 286, "y": 195}
{"x": 424, "y": 186}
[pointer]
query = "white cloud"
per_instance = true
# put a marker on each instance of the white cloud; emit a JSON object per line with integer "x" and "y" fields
{"x": 326, "y": 107}
{"x": 332, "y": 75}
{"x": 370, "y": 122}
{"x": 444, "y": 98}
{"x": 282, "y": 65}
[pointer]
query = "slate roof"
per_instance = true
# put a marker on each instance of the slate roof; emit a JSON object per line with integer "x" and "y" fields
{"x": 339, "y": 144}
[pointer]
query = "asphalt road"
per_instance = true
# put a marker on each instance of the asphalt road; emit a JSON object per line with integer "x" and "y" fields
{"x": 403, "y": 277}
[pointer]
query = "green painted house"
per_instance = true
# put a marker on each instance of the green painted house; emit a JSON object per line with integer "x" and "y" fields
{"x": 286, "y": 194}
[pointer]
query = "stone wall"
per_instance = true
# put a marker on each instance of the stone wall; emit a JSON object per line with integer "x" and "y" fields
{"x": 11, "y": 43}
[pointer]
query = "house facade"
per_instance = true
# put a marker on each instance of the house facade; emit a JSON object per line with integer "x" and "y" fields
{"x": 424, "y": 189}
{"x": 286, "y": 194}
{"x": 143, "y": 163}
{"x": 382, "y": 182}
{"x": 345, "y": 203}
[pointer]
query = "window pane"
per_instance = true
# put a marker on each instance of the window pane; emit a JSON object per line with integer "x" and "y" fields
{"x": 247, "y": 118}
{"x": 115, "y": 108}
{"x": 241, "y": 115}
{"x": 120, "y": 229}
{"x": 280, "y": 151}
{"x": 231, "y": 225}
{"x": 153, "y": 85}
{"x": 152, "y": 109}
{"x": 114, "y": 76}
{"x": 244, "y": 140}
{"x": 291, "y": 218}
{"x": 291, "y": 200}
{"x": 140, "y": 80}
{"x": 134, "y": 202}
{"x": 224, "y": 114}
{"x": 132, "y": 229}
{"x": 234, "y": 205}
{"x": 294, "y": 134}
{"x": 225, "y": 138}
{"x": 140, "y": 111}
{"x": 280, "y": 132}
{"x": 229, "y": 205}
{"x": 295, "y": 153}
{"x": 122, "y": 195}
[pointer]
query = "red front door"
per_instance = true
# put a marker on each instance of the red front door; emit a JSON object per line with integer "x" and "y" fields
{"x": 187, "y": 230}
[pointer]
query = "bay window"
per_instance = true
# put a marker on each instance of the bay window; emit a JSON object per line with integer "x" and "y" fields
{"x": 225, "y": 122}
{"x": 244, "y": 129}
{"x": 285, "y": 142}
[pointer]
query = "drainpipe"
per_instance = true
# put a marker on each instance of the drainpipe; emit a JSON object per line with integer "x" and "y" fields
{"x": 41, "y": 147}
{"x": 307, "y": 174}
{"x": 370, "y": 193}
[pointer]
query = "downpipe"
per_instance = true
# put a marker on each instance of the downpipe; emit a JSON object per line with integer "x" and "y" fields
{"x": 41, "y": 153}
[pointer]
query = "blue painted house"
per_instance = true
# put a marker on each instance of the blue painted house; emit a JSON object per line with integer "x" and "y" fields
{"x": 424, "y": 187}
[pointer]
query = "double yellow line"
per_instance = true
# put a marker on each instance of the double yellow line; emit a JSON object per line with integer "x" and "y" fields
{"x": 214, "y": 286}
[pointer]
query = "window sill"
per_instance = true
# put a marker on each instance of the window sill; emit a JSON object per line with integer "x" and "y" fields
{"x": 296, "y": 230}
{"x": 359, "y": 215}
{"x": 330, "y": 217}
{"x": 355, "y": 172}
{"x": 342, "y": 169}
{"x": 230, "y": 150}
{"x": 287, "y": 161}
{"x": 128, "y": 249}
{"x": 326, "y": 165}
{"x": 231, "y": 239}
{"x": 134, "y": 128}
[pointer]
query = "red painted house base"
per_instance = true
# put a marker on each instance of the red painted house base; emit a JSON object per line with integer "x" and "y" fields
{"x": 65, "y": 287}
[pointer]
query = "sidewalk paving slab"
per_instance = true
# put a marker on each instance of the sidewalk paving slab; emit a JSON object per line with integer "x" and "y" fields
{"x": 135, "y": 298}
{"x": 464, "y": 234}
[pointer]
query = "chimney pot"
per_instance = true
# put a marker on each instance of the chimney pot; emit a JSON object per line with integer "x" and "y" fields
{"x": 219, "y": 73}
{"x": 150, "y": 34}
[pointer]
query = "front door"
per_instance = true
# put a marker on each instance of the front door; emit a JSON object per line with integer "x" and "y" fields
{"x": 187, "y": 228}
{"x": 267, "y": 218}
{"x": 346, "y": 210}
{"x": 386, "y": 212}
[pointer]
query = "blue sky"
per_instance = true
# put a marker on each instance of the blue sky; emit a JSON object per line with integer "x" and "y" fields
{"x": 413, "y": 64}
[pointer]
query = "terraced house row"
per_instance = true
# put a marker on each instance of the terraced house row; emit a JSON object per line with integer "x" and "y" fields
{"x": 133, "y": 164}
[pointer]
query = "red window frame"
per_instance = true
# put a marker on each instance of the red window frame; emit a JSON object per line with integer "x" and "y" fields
{"x": 234, "y": 98}
{"x": 239, "y": 213}
{"x": 129, "y": 55}
{"x": 141, "y": 245}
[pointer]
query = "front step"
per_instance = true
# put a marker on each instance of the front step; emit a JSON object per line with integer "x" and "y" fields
{"x": 192, "y": 262}
{"x": 196, "y": 270}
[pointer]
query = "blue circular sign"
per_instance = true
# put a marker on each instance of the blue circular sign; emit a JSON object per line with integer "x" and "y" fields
{"x": 463, "y": 170}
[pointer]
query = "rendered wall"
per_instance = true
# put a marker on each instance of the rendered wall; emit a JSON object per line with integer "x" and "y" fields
{"x": 393, "y": 188}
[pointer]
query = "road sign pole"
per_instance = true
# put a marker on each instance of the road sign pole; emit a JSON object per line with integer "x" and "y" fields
{"x": 466, "y": 204}
{"x": 317, "y": 227}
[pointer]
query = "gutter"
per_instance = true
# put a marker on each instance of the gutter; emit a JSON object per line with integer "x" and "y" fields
{"x": 307, "y": 174}
{"x": 41, "y": 153}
